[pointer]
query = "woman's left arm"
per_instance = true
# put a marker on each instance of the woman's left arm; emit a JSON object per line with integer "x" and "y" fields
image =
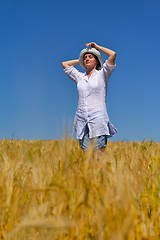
{"x": 110, "y": 53}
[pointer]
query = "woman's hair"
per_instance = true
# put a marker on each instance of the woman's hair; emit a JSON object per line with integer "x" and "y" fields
{"x": 98, "y": 63}
{"x": 97, "y": 60}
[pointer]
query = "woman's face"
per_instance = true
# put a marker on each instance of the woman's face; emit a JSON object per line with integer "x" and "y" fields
{"x": 89, "y": 60}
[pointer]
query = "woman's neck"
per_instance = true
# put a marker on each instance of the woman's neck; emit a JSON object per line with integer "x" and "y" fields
{"x": 89, "y": 71}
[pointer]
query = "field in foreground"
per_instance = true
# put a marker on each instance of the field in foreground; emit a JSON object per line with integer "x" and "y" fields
{"x": 52, "y": 190}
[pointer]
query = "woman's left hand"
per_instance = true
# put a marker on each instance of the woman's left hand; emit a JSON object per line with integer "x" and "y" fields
{"x": 92, "y": 44}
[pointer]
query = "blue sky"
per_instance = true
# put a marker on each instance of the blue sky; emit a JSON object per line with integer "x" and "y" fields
{"x": 38, "y": 101}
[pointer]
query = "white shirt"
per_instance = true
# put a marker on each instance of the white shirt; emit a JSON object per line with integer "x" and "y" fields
{"x": 92, "y": 109}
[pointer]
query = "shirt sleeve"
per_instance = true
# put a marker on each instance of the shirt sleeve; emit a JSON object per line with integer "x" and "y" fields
{"x": 107, "y": 70}
{"x": 73, "y": 73}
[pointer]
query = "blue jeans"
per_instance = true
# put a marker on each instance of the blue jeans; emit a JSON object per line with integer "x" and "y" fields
{"x": 98, "y": 142}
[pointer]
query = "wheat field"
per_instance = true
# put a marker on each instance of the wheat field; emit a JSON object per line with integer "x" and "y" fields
{"x": 53, "y": 190}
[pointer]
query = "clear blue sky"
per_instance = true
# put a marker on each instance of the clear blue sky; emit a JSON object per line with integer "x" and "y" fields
{"x": 38, "y": 101}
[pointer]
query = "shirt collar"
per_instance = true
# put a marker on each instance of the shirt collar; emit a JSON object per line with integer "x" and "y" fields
{"x": 93, "y": 73}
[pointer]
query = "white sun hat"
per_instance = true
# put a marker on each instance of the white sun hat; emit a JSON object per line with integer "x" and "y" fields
{"x": 94, "y": 52}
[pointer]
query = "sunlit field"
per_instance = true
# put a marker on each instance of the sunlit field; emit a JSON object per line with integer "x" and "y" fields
{"x": 51, "y": 190}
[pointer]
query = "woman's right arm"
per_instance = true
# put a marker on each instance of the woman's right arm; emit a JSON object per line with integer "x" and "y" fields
{"x": 69, "y": 63}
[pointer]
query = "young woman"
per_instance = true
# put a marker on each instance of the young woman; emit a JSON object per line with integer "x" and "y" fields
{"x": 92, "y": 122}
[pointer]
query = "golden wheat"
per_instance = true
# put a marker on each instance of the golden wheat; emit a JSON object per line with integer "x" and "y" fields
{"x": 53, "y": 190}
